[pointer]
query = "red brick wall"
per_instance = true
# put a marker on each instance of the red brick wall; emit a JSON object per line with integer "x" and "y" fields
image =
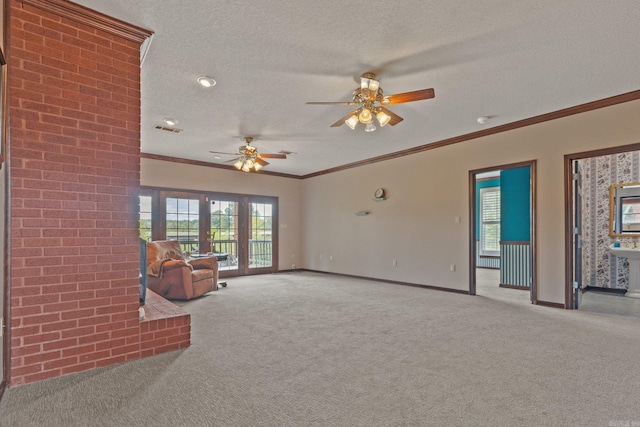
{"x": 166, "y": 327}
{"x": 74, "y": 165}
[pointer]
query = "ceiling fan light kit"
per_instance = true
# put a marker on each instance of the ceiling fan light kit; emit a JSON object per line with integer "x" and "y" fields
{"x": 249, "y": 160}
{"x": 371, "y": 101}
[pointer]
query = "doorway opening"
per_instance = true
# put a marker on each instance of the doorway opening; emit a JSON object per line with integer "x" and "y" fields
{"x": 502, "y": 232}
{"x": 595, "y": 278}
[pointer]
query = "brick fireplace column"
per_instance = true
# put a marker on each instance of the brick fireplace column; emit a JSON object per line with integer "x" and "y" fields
{"x": 74, "y": 158}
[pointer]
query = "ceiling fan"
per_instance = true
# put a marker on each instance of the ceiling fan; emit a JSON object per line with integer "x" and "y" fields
{"x": 248, "y": 157}
{"x": 372, "y": 103}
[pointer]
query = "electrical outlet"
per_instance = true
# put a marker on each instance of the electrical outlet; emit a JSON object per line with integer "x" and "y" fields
{"x": 330, "y": 257}
{"x": 452, "y": 267}
{"x": 293, "y": 266}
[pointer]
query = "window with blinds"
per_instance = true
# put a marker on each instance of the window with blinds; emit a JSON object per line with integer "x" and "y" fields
{"x": 490, "y": 221}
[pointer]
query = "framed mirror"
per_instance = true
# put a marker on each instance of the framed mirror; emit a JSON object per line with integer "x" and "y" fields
{"x": 624, "y": 210}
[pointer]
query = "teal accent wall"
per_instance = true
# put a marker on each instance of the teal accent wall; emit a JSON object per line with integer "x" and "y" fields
{"x": 479, "y": 185}
{"x": 515, "y": 204}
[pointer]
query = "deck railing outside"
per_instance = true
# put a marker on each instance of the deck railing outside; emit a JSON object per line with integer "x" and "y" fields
{"x": 260, "y": 252}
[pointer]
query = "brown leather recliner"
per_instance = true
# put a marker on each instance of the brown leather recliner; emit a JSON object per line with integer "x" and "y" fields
{"x": 170, "y": 275}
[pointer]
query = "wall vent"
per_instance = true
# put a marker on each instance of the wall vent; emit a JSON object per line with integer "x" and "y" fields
{"x": 167, "y": 129}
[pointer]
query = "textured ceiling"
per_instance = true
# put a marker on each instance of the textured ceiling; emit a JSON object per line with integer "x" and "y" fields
{"x": 504, "y": 59}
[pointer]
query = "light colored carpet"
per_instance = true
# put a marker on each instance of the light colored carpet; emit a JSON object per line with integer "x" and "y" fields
{"x": 307, "y": 349}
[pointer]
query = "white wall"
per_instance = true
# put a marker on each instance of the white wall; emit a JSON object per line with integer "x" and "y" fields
{"x": 158, "y": 173}
{"x": 428, "y": 190}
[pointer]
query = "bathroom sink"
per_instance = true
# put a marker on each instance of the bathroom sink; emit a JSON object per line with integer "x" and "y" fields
{"x": 633, "y": 255}
{"x": 625, "y": 252}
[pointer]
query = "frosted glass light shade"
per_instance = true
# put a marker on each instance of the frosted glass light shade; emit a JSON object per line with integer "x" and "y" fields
{"x": 352, "y": 121}
{"x": 365, "y": 116}
{"x": 383, "y": 118}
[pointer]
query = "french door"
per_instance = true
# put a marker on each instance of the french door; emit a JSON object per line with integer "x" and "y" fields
{"x": 244, "y": 229}
{"x": 240, "y": 230}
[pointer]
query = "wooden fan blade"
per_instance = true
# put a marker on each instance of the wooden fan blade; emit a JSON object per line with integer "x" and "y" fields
{"x": 231, "y": 161}
{"x": 261, "y": 162}
{"x": 416, "y": 95}
{"x": 395, "y": 119}
{"x": 273, "y": 156}
{"x": 333, "y": 103}
{"x": 341, "y": 121}
{"x": 220, "y": 152}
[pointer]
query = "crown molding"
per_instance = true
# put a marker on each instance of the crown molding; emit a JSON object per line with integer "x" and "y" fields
{"x": 566, "y": 112}
{"x": 92, "y": 18}
{"x": 582, "y": 108}
{"x": 211, "y": 165}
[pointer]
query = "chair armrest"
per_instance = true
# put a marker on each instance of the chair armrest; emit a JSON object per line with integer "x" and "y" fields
{"x": 209, "y": 263}
{"x": 156, "y": 268}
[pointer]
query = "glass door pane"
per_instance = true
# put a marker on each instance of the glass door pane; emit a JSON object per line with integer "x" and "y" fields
{"x": 260, "y": 235}
{"x": 145, "y": 218}
{"x": 224, "y": 232}
{"x": 183, "y": 222}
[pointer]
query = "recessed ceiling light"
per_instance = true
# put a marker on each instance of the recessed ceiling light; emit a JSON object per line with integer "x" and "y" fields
{"x": 217, "y": 157}
{"x": 206, "y": 81}
{"x": 483, "y": 119}
{"x": 170, "y": 121}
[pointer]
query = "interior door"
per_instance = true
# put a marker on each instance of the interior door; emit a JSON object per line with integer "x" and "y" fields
{"x": 577, "y": 235}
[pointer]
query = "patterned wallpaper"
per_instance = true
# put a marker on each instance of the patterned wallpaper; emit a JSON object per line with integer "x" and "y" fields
{"x": 598, "y": 173}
